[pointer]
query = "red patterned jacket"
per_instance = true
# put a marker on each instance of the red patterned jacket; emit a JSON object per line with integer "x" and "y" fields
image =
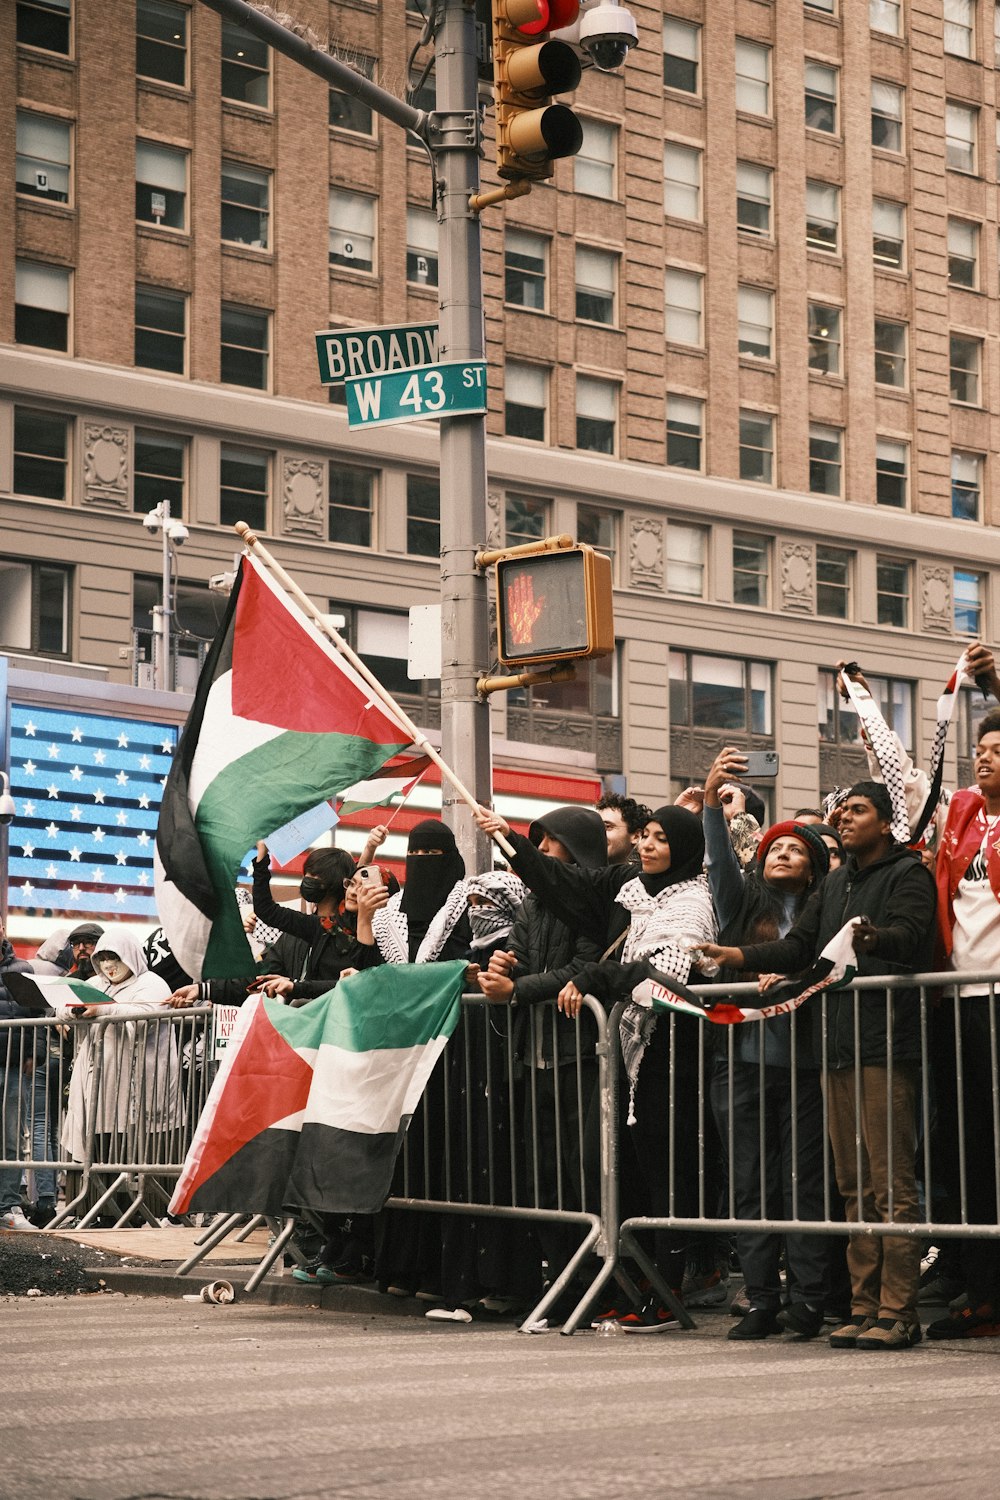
{"x": 963, "y": 834}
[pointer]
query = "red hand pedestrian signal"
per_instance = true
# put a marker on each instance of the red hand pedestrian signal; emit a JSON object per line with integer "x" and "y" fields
{"x": 554, "y": 605}
{"x": 523, "y": 608}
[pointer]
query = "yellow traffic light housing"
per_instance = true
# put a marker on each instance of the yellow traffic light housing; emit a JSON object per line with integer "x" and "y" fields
{"x": 554, "y": 606}
{"x": 531, "y": 133}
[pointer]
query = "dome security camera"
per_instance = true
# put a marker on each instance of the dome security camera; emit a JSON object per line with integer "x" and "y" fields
{"x": 152, "y": 521}
{"x": 7, "y": 808}
{"x": 177, "y": 532}
{"x": 607, "y": 32}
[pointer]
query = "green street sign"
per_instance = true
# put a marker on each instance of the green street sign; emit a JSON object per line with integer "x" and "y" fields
{"x": 442, "y": 390}
{"x": 344, "y": 354}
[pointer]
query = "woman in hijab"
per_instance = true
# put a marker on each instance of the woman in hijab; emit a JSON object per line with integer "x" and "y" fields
{"x": 428, "y": 920}
{"x": 650, "y": 922}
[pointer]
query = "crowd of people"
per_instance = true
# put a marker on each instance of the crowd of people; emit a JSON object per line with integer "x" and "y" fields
{"x": 595, "y": 902}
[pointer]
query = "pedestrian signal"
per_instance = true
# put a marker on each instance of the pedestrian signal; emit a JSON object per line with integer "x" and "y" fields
{"x": 528, "y": 67}
{"x": 554, "y": 606}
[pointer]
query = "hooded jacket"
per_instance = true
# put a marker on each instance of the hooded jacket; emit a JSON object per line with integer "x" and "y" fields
{"x": 9, "y": 1008}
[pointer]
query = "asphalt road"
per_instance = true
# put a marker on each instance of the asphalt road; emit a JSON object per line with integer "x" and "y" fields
{"x": 113, "y": 1397}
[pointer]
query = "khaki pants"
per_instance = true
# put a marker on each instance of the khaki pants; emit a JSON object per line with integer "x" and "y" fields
{"x": 885, "y": 1271}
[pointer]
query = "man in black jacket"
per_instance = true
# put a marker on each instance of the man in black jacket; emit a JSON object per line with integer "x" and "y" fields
{"x": 15, "y": 1051}
{"x": 890, "y": 897}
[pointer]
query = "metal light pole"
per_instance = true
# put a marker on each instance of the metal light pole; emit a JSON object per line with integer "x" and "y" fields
{"x": 451, "y": 134}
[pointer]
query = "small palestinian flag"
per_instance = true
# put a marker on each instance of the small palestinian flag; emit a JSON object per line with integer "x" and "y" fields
{"x": 281, "y": 721}
{"x": 835, "y": 967}
{"x": 391, "y": 781}
{"x": 38, "y": 993}
{"x": 310, "y": 1106}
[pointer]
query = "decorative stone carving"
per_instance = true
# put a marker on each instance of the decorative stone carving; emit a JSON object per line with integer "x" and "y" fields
{"x": 935, "y": 599}
{"x": 106, "y": 454}
{"x": 797, "y": 575}
{"x": 645, "y": 552}
{"x": 302, "y": 497}
{"x": 494, "y": 512}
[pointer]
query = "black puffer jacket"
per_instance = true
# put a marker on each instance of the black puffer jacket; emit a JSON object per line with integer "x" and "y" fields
{"x": 9, "y": 1008}
{"x": 898, "y": 896}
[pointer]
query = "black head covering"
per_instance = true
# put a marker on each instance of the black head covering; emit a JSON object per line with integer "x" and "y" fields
{"x": 830, "y": 833}
{"x": 579, "y": 829}
{"x": 687, "y": 848}
{"x": 429, "y": 878}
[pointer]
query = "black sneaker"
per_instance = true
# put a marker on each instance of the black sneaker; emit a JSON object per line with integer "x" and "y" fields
{"x": 802, "y": 1319}
{"x": 759, "y": 1323}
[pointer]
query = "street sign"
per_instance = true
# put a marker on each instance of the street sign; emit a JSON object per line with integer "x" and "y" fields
{"x": 346, "y": 353}
{"x": 443, "y": 390}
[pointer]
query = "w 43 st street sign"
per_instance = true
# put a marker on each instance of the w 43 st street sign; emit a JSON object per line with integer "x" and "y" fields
{"x": 449, "y": 389}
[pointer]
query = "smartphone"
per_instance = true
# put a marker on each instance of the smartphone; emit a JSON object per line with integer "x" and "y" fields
{"x": 760, "y": 763}
{"x": 371, "y": 875}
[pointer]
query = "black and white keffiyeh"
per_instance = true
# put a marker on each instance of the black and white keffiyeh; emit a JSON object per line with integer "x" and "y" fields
{"x": 389, "y": 928}
{"x": 505, "y": 893}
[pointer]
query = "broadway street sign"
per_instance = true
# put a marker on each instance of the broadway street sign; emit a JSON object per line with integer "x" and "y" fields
{"x": 345, "y": 354}
{"x": 443, "y": 390}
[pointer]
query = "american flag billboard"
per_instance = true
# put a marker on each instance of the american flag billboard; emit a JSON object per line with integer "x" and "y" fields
{"x": 87, "y": 789}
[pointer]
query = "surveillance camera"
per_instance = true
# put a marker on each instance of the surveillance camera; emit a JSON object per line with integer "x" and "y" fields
{"x": 153, "y": 521}
{"x": 607, "y": 31}
{"x": 177, "y": 532}
{"x": 222, "y": 583}
{"x": 7, "y": 808}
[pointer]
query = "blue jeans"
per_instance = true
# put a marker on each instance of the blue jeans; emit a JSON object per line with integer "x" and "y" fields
{"x": 12, "y": 1085}
{"x": 44, "y": 1122}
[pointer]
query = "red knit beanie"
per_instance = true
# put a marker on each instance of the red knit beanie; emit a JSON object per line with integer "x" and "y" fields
{"x": 819, "y": 854}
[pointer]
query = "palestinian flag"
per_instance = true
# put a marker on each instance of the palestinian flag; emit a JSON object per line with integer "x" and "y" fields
{"x": 281, "y": 721}
{"x": 310, "y": 1106}
{"x": 835, "y": 967}
{"x": 391, "y": 781}
{"x": 38, "y": 993}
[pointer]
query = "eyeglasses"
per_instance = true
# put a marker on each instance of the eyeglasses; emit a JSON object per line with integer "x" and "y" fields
{"x": 83, "y": 943}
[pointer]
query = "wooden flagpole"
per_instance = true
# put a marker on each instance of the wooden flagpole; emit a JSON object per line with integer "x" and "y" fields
{"x": 252, "y": 542}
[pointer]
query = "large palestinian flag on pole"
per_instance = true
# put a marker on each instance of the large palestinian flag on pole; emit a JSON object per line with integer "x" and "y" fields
{"x": 310, "y": 1106}
{"x": 280, "y": 722}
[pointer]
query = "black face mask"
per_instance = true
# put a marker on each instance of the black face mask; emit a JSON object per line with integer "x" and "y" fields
{"x": 311, "y": 889}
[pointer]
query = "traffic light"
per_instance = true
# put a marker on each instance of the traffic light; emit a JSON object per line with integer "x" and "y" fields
{"x": 527, "y": 68}
{"x": 554, "y": 606}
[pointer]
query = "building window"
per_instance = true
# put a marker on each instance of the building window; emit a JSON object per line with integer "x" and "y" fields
{"x": 967, "y": 601}
{"x": 44, "y": 24}
{"x": 681, "y": 181}
{"x": 598, "y": 528}
{"x": 891, "y": 465}
{"x": 683, "y": 303}
{"x": 826, "y": 460}
{"x": 889, "y": 233}
{"x": 246, "y": 67}
{"x": 525, "y": 274}
{"x": 423, "y": 516}
{"x": 892, "y": 592}
{"x": 753, "y": 197}
{"x": 381, "y": 637}
{"x": 41, "y": 305}
{"x": 41, "y": 453}
{"x": 996, "y": 34}
{"x": 349, "y": 517}
{"x": 591, "y": 702}
{"x": 750, "y": 569}
{"x": 753, "y": 77}
{"x": 964, "y": 361}
{"x": 821, "y": 98}
{"x": 43, "y": 157}
{"x": 890, "y": 353}
{"x": 833, "y": 583}
{"x": 685, "y": 426}
{"x": 960, "y": 127}
{"x": 686, "y": 549}
{"x": 966, "y": 485}
{"x": 959, "y": 27}
{"x": 160, "y": 185}
{"x": 838, "y": 723}
{"x": 755, "y": 322}
{"x": 525, "y": 520}
{"x": 421, "y": 247}
{"x": 756, "y": 447}
{"x": 596, "y": 414}
{"x": 596, "y": 285}
{"x": 887, "y": 115}
{"x": 963, "y": 253}
{"x": 243, "y": 485}
{"x": 349, "y": 113}
{"x": 822, "y": 217}
{"x": 245, "y": 347}
{"x": 525, "y": 401}
{"x": 160, "y": 330}
{"x": 246, "y": 200}
{"x": 594, "y": 165}
{"x": 34, "y": 607}
{"x": 681, "y": 55}
{"x": 824, "y": 339}
{"x": 720, "y": 692}
{"x": 159, "y": 471}
{"x": 352, "y": 230}
{"x": 886, "y": 16}
{"x": 161, "y": 41}
{"x": 828, "y": 7}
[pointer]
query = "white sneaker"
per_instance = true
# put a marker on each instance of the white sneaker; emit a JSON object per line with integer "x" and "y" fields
{"x": 14, "y": 1219}
{"x": 449, "y": 1314}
